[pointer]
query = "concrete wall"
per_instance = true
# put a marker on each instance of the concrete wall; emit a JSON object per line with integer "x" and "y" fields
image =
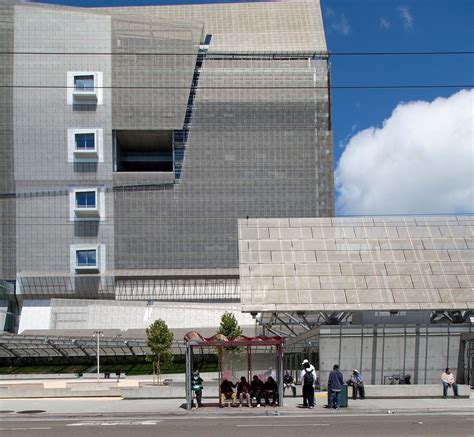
{"x": 103, "y": 314}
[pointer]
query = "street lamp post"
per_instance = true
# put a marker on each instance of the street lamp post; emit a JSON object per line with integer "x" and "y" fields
{"x": 98, "y": 334}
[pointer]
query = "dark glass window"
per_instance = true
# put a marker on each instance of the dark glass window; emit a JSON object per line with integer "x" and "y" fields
{"x": 85, "y": 141}
{"x": 84, "y": 83}
{"x": 86, "y": 258}
{"x": 85, "y": 199}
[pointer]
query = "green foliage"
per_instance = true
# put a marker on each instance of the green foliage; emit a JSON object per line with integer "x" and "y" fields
{"x": 159, "y": 340}
{"x": 229, "y": 326}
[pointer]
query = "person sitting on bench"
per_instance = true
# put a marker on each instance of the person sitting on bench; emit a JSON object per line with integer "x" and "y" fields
{"x": 243, "y": 391}
{"x": 256, "y": 389}
{"x": 270, "y": 389}
{"x": 227, "y": 392}
{"x": 288, "y": 382}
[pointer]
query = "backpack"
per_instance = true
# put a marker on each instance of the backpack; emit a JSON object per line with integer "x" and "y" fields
{"x": 308, "y": 378}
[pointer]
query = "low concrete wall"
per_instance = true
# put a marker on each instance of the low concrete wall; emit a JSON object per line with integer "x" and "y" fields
{"x": 19, "y": 391}
{"x": 30, "y": 376}
{"x": 410, "y": 391}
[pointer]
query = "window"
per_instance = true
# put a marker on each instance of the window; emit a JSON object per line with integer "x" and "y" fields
{"x": 86, "y": 258}
{"x": 85, "y": 145}
{"x": 84, "y": 88}
{"x": 85, "y": 142}
{"x": 86, "y": 199}
{"x": 84, "y": 83}
{"x": 86, "y": 204}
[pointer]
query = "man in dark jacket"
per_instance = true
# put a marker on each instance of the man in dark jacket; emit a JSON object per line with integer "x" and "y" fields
{"x": 227, "y": 392}
{"x": 335, "y": 383}
{"x": 256, "y": 389}
{"x": 270, "y": 390}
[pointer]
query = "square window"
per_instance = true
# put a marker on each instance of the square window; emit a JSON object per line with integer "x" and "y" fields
{"x": 86, "y": 258}
{"x": 86, "y": 199}
{"x": 84, "y": 142}
{"x": 84, "y": 83}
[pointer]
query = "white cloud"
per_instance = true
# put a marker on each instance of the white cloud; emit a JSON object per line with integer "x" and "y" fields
{"x": 384, "y": 23}
{"x": 420, "y": 161}
{"x": 406, "y": 16}
{"x": 341, "y": 25}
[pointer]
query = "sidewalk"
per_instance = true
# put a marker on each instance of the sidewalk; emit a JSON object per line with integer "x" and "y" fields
{"x": 116, "y": 407}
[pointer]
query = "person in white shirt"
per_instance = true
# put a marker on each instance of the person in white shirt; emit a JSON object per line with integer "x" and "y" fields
{"x": 308, "y": 379}
{"x": 449, "y": 381}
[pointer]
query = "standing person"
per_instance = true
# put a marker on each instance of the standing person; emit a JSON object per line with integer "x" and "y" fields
{"x": 243, "y": 391}
{"x": 256, "y": 389}
{"x": 117, "y": 374}
{"x": 308, "y": 380}
{"x": 449, "y": 381}
{"x": 288, "y": 382}
{"x": 357, "y": 382}
{"x": 268, "y": 373}
{"x": 335, "y": 383}
{"x": 196, "y": 386}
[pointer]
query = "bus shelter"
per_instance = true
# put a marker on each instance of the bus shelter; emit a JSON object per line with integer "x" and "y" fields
{"x": 236, "y": 357}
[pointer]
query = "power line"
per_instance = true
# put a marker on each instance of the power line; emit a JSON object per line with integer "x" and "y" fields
{"x": 410, "y": 86}
{"x": 247, "y": 54}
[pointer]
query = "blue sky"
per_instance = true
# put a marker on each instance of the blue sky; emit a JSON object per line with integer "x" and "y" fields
{"x": 386, "y": 26}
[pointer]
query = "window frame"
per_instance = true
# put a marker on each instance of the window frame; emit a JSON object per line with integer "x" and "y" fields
{"x": 80, "y": 211}
{"x": 99, "y": 265}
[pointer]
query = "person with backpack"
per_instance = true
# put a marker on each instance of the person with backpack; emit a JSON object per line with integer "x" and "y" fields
{"x": 308, "y": 380}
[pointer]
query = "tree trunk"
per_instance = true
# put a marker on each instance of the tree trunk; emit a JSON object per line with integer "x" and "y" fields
{"x": 158, "y": 368}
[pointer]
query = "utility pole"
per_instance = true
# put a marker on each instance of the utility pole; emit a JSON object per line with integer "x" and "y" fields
{"x": 98, "y": 334}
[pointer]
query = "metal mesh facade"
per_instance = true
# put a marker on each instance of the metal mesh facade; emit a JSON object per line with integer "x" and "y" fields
{"x": 243, "y": 89}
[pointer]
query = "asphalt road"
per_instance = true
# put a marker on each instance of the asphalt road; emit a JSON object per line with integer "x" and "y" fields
{"x": 383, "y": 425}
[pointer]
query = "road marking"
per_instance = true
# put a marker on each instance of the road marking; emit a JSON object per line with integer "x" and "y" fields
{"x": 115, "y": 423}
{"x": 295, "y": 425}
{"x": 25, "y": 429}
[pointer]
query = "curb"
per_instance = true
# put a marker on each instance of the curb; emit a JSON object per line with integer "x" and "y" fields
{"x": 247, "y": 413}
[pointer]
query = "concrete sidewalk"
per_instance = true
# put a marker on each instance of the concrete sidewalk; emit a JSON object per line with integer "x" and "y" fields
{"x": 116, "y": 407}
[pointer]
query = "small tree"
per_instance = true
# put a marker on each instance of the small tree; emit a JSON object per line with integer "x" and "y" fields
{"x": 229, "y": 326}
{"x": 159, "y": 339}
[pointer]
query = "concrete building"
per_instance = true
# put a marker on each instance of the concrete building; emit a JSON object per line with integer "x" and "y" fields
{"x": 131, "y": 141}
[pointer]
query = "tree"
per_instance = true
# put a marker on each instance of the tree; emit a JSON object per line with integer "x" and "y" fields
{"x": 229, "y": 326}
{"x": 229, "y": 355}
{"x": 159, "y": 340}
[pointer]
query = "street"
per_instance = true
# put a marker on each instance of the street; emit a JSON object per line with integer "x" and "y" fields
{"x": 334, "y": 425}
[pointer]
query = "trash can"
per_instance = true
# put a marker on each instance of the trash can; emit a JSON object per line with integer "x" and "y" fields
{"x": 343, "y": 398}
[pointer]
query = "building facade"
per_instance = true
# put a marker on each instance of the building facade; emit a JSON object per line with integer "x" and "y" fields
{"x": 134, "y": 138}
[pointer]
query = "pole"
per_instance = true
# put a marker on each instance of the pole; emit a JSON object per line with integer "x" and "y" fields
{"x": 98, "y": 334}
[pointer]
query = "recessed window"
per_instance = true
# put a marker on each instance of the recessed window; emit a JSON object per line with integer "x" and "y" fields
{"x": 84, "y": 83}
{"x": 86, "y": 199}
{"x": 86, "y": 258}
{"x": 144, "y": 151}
{"x": 84, "y": 142}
